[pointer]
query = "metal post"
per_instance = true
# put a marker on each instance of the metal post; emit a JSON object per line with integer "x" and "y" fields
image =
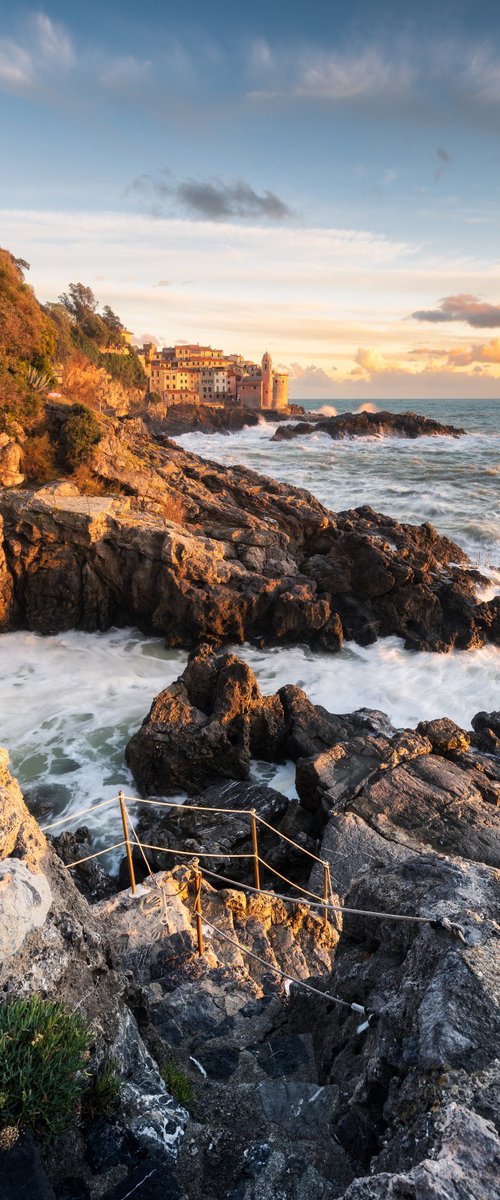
{"x": 255, "y": 845}
{"x": 326, "y": 892}
{"x": 197, "y": 908}
{"x": 126, "y": 835}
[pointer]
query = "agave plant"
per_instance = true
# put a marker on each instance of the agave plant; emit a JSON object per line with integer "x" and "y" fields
{"x": 38, "y": 381}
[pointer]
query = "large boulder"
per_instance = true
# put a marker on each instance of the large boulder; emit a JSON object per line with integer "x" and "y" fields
{"x": 11, "y": 462}
{"x": 183, "y": 746}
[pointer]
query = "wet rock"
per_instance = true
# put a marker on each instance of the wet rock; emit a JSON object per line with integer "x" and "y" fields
{"x": 370, "y": 424}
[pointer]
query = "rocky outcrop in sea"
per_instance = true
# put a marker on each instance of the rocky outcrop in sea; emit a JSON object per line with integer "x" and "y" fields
{"x": 369, "y": 424}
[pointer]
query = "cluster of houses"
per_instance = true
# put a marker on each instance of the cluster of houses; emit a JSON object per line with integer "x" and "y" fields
{"x": 193, "y": 374}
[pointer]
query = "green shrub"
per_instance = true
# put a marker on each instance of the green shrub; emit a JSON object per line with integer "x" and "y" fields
{"x": 103, "y": 1093}
{"x": 80, "y": 432}
{"x": 44, "y": 1049}
{"x": 178, "y": 1084}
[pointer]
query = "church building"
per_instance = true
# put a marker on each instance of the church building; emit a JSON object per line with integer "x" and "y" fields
{"x": 265, "y": 389}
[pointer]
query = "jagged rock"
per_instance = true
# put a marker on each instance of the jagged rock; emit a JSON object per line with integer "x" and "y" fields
{"x": 351, "y": 846}
{"x": 369, "y": 424}
{"x": 90, "y": 877}
{"x": 310, "y": 728}
{"x": 210, "y": 723}
{"x": 180, "y": 746}
{"x": 436, "y": 1037}
{"x": 240, "y": 556}
{"x": 333, "y": 778}
{"x": 432, "y": 802}
{"x": 444, "y": 735}
{"x": 25, "y": 899}
{"x": 173, "y": 420}
{"x": 465, "y": 1165}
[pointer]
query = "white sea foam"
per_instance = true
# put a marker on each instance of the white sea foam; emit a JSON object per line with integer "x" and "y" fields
{"x": 69, "y": 703}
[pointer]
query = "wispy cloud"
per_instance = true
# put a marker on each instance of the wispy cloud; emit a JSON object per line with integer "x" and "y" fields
{"x": 45, "y": 63}
{"x": 331, "y": 75}
{"x": 209, "y": 199}
{"x": 464, "y": 307}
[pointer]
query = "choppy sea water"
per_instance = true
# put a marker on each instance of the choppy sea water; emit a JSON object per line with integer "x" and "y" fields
{"x": 69, "y": 703}
{"x": 452, "y": 482}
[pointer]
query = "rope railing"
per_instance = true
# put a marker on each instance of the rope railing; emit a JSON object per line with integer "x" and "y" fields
{"x": 324, "y": 904}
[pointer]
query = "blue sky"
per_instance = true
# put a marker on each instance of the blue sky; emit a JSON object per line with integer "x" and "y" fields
{"x": 300, "y": 177}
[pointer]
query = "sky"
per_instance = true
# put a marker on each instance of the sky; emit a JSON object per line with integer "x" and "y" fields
{"x": 322, "y": 181}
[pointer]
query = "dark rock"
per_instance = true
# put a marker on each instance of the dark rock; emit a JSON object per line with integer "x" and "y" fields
{"x": 431, "y": 802}
{"x": 463, "y": 1165}
{"x": 90, "y": 877}
{"x": 439, "y": 1021}
{"x": 370, "y": 424}
{"x": 152, "y": 1180}
{"x": 73, "y": 1188}
{"x": 22, "y": 1175}
{"x": 486, "y": 727}
{"x": 105, "y": 1142}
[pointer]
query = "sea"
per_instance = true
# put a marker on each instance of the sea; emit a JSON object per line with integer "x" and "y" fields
{"x": 69, "y": 702}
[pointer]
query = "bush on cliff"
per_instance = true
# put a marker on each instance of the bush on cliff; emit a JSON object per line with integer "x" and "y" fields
{"x": 43, "y": 1055}
{"x": 79, "y": 433}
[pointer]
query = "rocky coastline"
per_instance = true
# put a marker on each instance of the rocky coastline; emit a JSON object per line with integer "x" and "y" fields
{"x": 182, "y": 546}
{"x": 328, "y": 1105}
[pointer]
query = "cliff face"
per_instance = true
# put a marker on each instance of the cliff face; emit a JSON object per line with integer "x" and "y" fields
{"x": 225, "y": 554}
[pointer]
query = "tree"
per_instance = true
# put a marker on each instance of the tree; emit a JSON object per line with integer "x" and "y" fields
{"x": 113, "y": 325}
{"x": 79, "y": 301}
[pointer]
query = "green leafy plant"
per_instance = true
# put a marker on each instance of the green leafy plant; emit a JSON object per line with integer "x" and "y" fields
{"x": 178, "y": 1084}
{"x": 44, "y": 1050}
{"x": 103, "y": 1093}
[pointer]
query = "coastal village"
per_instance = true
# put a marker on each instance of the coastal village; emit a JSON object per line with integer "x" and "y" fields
{"x": 193, "y": 374}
